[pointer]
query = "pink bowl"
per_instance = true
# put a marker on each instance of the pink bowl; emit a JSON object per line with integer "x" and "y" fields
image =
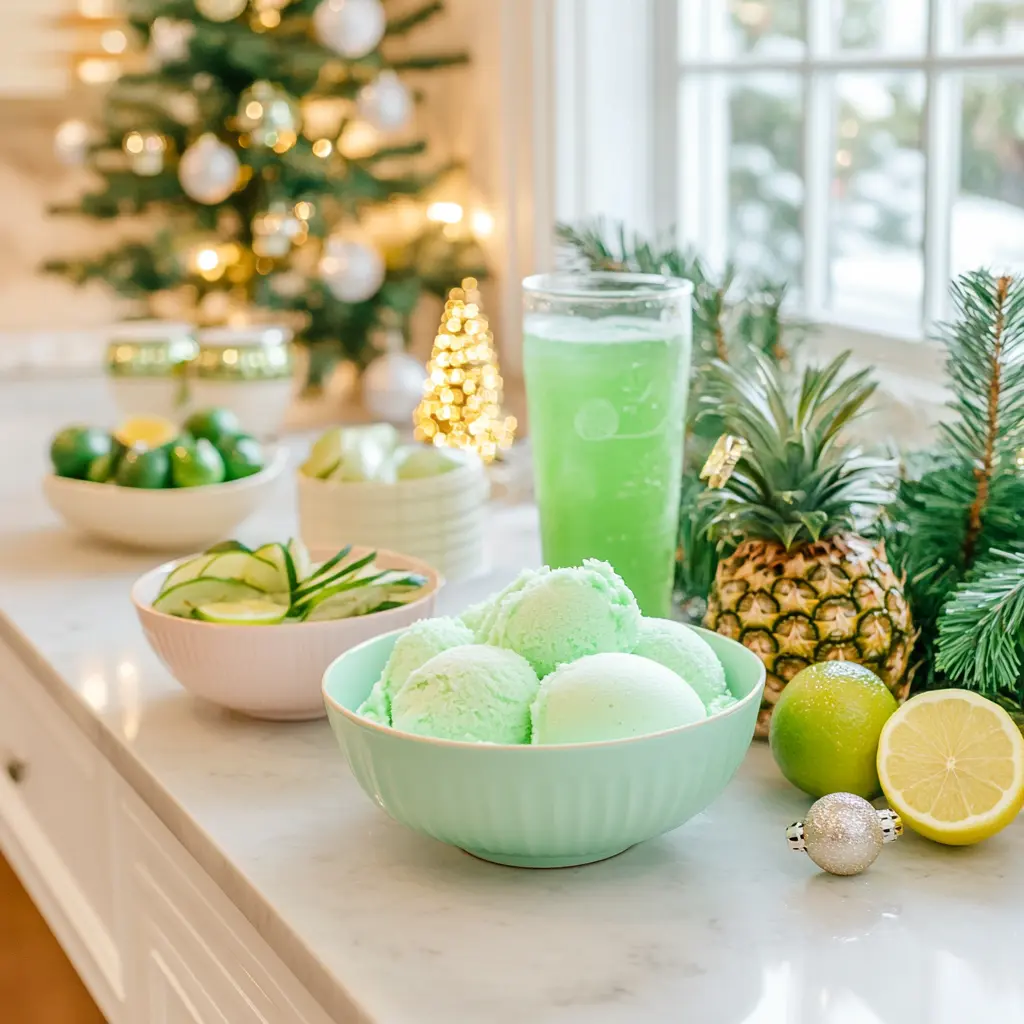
{"x": 271, "y": 672}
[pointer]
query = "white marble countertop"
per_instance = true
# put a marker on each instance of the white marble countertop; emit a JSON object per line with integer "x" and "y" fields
{"x": 716, "y": 923}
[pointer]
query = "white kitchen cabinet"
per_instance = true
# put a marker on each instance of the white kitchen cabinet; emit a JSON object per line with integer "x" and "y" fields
{"x": 153, "y": 938}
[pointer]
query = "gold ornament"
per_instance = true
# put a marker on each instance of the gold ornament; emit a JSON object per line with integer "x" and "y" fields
{"x": 722, "y": 461}
{"x": 269, "y": 115}
{"x": 220, "y": 10}
{"x": 145, "y": 152}
{"x": 461, "y": 407}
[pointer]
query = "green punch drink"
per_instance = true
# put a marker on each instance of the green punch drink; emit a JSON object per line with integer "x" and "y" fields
{"x": 607, "y": 362}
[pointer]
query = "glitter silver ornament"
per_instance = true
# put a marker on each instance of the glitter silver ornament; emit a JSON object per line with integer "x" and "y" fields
{"x": 220, "y": 10}
{"x": 208, "y": 170}
{"x": 843, "y": 833}
{"x": 352, "y": 270}
{"x": 385, "y": 102}
{"x": 352, "y": 28}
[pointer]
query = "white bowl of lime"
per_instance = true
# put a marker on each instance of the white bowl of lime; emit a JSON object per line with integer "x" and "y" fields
{"x": 156, "y": 485}
{"x": 254, "y": 630}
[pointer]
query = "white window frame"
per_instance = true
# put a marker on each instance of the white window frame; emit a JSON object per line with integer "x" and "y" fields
{"x": 610, "y": 120}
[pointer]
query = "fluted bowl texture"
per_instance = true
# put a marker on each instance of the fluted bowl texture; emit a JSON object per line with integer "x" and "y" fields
{"x": 542, "y": 806}
{"x": 270, "y": 672}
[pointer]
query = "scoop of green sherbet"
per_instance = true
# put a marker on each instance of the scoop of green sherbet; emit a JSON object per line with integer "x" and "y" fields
{"x": 684, "y": 651}
{"x": 417, "y": 645}
{"x": 475, "y": 693}
{"x": 375, "y": 707}
{"x": 566, "y": 614}
{"x": 611, "y": 697}
{"x": 480, "y": 617}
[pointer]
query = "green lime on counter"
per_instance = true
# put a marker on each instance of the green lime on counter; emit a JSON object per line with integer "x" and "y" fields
{"x": 102, "y": 470}
{"x": 142, "y": 467}
{"x": 75, "y": 449}
{"x": 243, "y": 456}
{"x": 196, "y": 464}
{"x": 825, "y": 728}
{"x": 215, "y": 425}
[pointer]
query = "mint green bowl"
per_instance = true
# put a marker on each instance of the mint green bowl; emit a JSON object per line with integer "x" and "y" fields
{"x": 544, "y": 806}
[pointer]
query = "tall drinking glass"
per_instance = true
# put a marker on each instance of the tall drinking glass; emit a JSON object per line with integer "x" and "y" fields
{"x": 607, "y": 363}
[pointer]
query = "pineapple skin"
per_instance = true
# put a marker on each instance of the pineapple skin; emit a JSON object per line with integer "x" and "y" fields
{"x": 832, "y": 599}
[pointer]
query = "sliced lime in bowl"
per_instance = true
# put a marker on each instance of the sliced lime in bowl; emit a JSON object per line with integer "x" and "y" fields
{"x": 254, "y": 612}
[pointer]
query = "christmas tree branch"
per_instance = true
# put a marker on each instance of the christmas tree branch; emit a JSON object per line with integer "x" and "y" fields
{"x": 983, "y": 473}
{"x": 430, "y": 62}
{"x": 404, "y": 23}
{"x": 980, "y": 628}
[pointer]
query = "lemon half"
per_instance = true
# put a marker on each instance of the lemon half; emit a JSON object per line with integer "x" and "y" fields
{"x": 952, "y": 764}
{"x": 146, "y": 432}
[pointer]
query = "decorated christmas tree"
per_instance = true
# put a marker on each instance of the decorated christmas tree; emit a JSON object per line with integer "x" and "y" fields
{"x": 461, "y": 407}
{"x": 248, "y": 153}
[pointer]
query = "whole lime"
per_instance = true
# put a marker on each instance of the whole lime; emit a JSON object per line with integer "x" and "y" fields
{"x": 215, "y": 425}
{"x": 102, "y": 469}
{"x": 825, "y": 728}
{"x": 243, "y": 456}
{"x": 145, "y": 467}
{"x": 74, "y": 449}
{"x": 196, "y": 464}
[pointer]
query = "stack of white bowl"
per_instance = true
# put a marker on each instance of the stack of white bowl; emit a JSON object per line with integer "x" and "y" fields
{"x": 439, "y": 519}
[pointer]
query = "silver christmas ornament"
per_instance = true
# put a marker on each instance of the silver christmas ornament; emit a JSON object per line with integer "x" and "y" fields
{"x": 71, "y": 142}
{"x": 352, "y": 28}
{"x": 220, "y": 10}
{"x": 843, "y": 833}
{"x": 274, "y": 231}
{"x": 385, "y": 102}
{"x": 169, "y": 41}
{"x": 208, "y": 170}
{"x": 269, "y": 115}
{"x": 352, "y": 270}
{"x": 393, "y": 383}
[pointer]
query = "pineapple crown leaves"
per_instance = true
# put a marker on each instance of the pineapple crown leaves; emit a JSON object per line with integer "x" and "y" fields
{"x": 796, "y": 481}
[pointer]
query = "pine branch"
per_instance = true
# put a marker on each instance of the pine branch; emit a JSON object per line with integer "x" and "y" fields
{"x": 431, "y": 62}
{"x": 979, "y": 632}
{"x": 406, "y": 22}
{"x": 983, "y": 473}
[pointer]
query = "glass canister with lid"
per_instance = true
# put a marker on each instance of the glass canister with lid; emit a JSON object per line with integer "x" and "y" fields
{"x": 246, "y": 369}
{"x": 147, "y": 363}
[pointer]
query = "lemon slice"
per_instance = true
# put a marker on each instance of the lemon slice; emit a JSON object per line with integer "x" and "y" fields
{"x": 146, "y": 432}
{"x": 952, "y": 764}
{"x": 254, "y": 612}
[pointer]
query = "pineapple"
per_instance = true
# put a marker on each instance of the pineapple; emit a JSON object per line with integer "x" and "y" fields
{"x": 802, "y": 585}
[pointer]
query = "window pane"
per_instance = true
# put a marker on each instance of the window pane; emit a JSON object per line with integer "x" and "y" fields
{"x": 881, "y": 25}
{"x": 769, "y": 28}
{"x": 992, "y": 24}
{"x": 988, "y": 213}
{"x": 766, "y": 187}
{"x": 877, "y": 210}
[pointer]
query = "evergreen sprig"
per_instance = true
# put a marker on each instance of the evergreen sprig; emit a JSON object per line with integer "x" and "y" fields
{"x": 954, "y": 527}
{"x": 980, "y": 627}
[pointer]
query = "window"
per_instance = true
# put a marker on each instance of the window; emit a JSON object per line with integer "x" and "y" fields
{"x": 865, "y": 150}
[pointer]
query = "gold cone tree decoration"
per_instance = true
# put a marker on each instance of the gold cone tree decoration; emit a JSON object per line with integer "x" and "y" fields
{"x": 461, "y": 406}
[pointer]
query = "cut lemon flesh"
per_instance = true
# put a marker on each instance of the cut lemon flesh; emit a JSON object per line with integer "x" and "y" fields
{"x": 146, "y": 432}
{"x": 255, "y": 612}
{"x": 952, "y": 764}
